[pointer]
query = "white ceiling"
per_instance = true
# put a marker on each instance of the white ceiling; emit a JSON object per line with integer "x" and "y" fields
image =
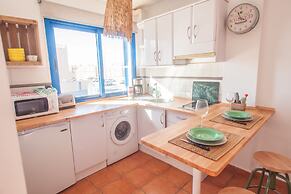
{"x": 98, "y": 6}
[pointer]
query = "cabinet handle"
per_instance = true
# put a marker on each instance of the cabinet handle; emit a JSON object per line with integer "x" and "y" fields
{"x": 63, "y": 130}
{"x": 189, "y": 32}
{"x": 161, "y": 119}
{"x": 195, "y": 31}
{"x": 155, "y": 56}
{"x": 159, "y": 55}
{"x": 181, "y": 118}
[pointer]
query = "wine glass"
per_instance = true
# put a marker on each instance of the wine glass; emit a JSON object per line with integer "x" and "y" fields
{"x": 229, "y": 98}
{"x": 202, "y": 109}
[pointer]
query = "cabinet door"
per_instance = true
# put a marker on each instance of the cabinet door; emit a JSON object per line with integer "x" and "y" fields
{"x": 174, "y": 117}
{"x": 89, "y": 141}
{"x": 150, "y": 43}
{"x": 204, "y": 22}
{"x": 47, "y": 159}
{"x": 182, "y": 32}
{"x": 150, "y": 120}
{"x": 165, "y": 39}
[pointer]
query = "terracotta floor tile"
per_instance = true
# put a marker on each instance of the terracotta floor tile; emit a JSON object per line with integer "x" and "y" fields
{"x": 156, "y": 166}
{"x": 183, "y": 192}
{"x": 139, "y": 177}
{"x": 70, "y": 190}
{"x": 160, "y": 185}
{"x": 85, "y": 187}
{"x": 176, "y": 176}
{"x": 222, "y": 179}
{"x": 139, "y": 191}
{"x": 118, "y": 187}
{"x": 188, "y": 187}
{"x": 142, "y": 157}
{"x": 104, "y": 177}
{"x": 128, "y": 164}
{"x": 210, "y": 188}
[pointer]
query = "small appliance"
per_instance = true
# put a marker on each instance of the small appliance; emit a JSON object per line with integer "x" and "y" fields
{"x": 137, "y": 87}
{"x": 34, "y": 101}
{"x": 66, "y": 101}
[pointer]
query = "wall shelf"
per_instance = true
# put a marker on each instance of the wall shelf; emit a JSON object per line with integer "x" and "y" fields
{"x": 20, "y": 33}
{"x": 23, "y": 63}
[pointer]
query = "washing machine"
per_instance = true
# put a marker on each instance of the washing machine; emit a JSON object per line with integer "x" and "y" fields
{"x": 122, "y": 140}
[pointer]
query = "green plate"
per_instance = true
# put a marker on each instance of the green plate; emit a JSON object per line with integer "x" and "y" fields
{"x": 238, "y": 114}
{"x": 206, "y": 134}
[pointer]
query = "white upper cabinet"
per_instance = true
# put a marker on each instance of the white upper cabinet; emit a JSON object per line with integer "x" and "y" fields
{"x": 183, "y": 32}
{"x": 158, "y": 41}
{"x": 199, "y": 30}
{"x": 204, "y": 22}
{"x": 165, "y": 39}
{"x": 150, "y": 43}
{"x": 195, "y": 31}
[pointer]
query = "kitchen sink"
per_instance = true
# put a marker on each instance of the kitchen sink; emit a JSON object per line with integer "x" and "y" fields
{"x": 152, "y": 99}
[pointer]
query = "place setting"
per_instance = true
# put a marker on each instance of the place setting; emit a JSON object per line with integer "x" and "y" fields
{"x": 237, "y": 115}
{"x": 204, "y": 140}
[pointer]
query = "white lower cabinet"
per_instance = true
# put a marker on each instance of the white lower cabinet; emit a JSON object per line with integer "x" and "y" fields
{"x": 149, "y": 120}
{"x": 174, "y": 117}
{"x": 47, "y": 159}
{"x": 89, "y": 144}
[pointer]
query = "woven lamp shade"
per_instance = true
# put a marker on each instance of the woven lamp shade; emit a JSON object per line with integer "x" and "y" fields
{"x": 118, "y": 19}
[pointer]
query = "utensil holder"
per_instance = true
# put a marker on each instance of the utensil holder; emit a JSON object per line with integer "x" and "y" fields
{"x": 236, "y": 106}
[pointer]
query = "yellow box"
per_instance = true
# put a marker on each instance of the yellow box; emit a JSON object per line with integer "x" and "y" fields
{"x": 16, "y": 54}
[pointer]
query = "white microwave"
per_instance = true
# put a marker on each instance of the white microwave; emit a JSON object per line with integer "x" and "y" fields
{"x": 37, "y": 102}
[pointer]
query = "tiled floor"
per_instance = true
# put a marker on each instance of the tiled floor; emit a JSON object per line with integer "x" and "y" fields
{"x": 143, "y": 174}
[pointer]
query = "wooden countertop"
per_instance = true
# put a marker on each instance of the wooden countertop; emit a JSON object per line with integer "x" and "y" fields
{"x": 93, "y": 107}
{"x": 159, "y": 140}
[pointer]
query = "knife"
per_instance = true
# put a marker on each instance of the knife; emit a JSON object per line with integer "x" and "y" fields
{"x": 207, "y": 148}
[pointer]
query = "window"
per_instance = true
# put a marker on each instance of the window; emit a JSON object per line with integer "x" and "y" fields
{"x": 87, "y": 64}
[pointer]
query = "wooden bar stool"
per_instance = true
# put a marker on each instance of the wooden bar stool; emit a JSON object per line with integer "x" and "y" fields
{"x": 235, "y": 190}
{"x": 275, "y": 166}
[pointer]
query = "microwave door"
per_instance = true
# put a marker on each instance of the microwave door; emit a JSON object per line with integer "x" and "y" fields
{"x": 31, "y": 106}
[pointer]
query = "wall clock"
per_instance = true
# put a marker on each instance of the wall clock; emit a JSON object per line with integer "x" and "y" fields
{"x": 243, "y": 18}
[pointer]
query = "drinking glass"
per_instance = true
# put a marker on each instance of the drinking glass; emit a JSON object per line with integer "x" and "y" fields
{"x": 229, "y": 98}
{"x": 202, "y": 109}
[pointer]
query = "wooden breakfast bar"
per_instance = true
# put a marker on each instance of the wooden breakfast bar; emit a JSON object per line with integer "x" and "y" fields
{"x": 159, "y": 141}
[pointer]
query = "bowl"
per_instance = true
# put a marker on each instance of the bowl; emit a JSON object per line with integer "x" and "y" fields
{"x": 32, "y": 58}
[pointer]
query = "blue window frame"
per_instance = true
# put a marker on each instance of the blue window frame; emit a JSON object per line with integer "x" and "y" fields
{"x": 129, "y": 50}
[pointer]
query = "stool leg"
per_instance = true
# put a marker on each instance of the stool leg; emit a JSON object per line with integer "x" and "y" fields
{"x": 248, "y": 184}
{"x": 268, "y": 183}
{"x": 273, "y": 176}
{"x": 287, "y": 180}
{"x": 261, "y": 181}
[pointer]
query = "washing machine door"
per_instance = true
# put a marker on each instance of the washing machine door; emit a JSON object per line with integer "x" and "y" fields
{"x": 122, "y": 131}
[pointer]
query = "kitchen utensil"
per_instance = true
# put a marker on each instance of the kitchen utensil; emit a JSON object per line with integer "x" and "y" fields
{"x": 207, "y": 143}
{"x": 236, "y": 98}
{"x": 196, "y": 144}
{"x": 206, "y": 134}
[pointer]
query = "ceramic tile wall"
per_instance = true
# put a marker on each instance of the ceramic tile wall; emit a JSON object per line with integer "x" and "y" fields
{"x": 178, "y": 80}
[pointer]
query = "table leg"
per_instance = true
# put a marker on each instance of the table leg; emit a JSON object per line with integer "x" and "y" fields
{"x": 196, "y": 180}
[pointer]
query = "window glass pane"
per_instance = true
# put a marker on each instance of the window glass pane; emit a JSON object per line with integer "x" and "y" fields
{"x": 77, "y": 62}
{"x": 113, "y": 65}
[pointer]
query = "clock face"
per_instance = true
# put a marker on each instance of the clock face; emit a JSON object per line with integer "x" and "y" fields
{"x": 243, "y": 18}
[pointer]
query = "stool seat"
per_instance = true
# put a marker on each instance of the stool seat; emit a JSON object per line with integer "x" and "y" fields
{"x": 273, "y": 161}
{"x": 235, "y": 190}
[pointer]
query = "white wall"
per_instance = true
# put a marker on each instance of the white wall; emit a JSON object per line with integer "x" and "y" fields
{"x": 275, "y": 76}
{"x": 11, "y": 176}
{"x": 27, "y": 9}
